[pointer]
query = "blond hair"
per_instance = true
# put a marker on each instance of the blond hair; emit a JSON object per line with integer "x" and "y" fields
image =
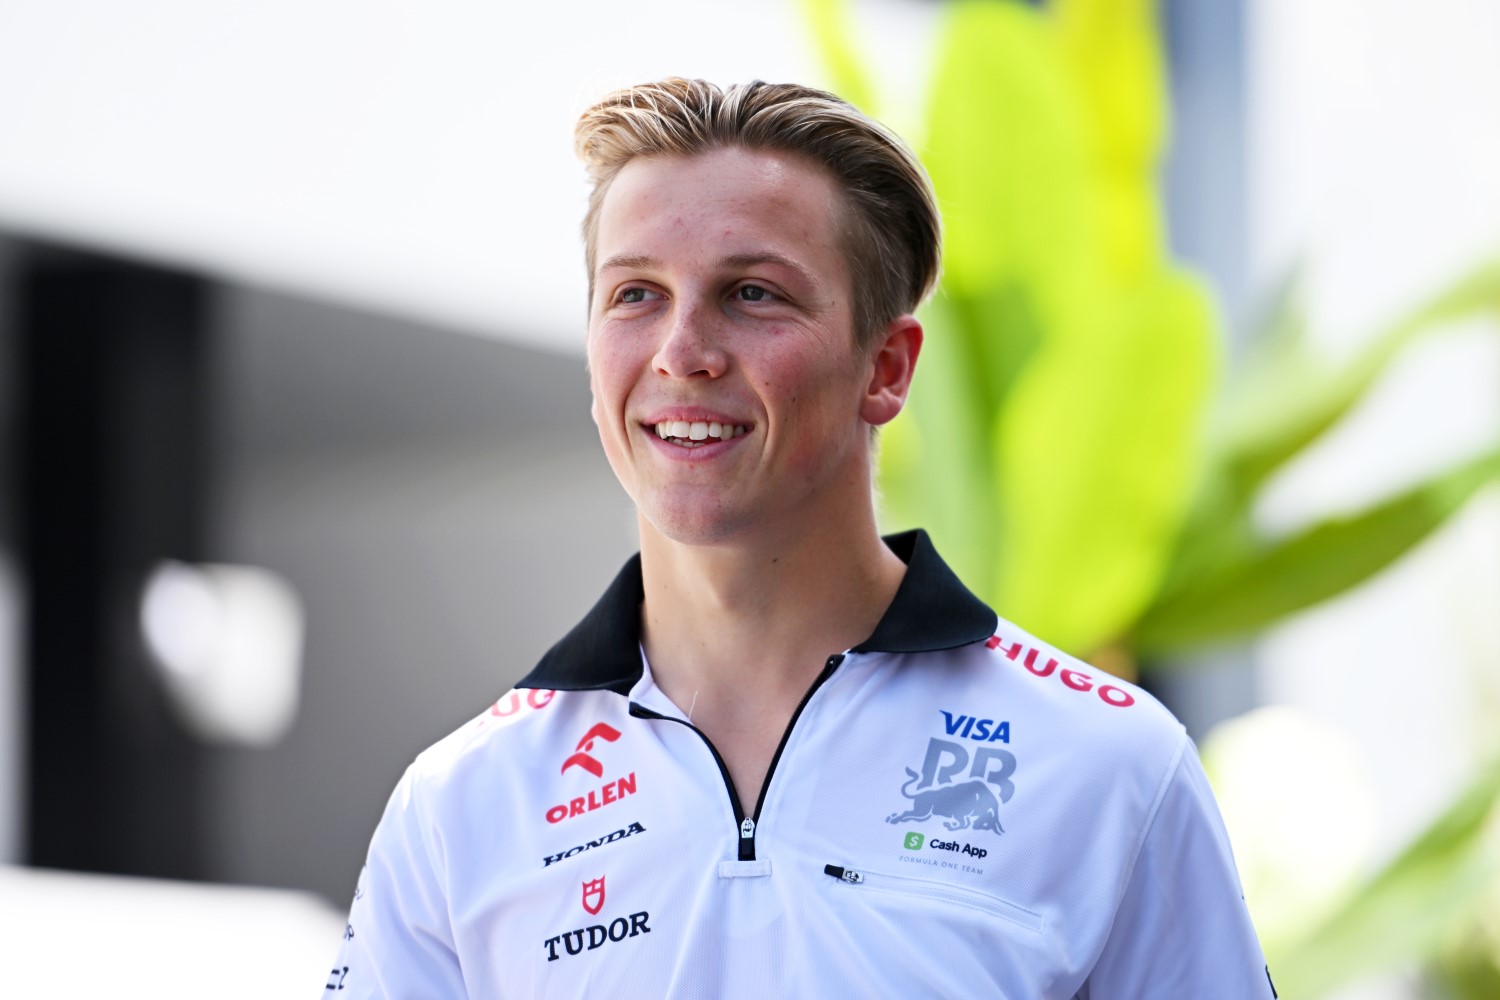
{"x": 891, "y": 233}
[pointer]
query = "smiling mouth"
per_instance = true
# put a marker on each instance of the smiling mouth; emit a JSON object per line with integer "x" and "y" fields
{"x": 696, "y": 433}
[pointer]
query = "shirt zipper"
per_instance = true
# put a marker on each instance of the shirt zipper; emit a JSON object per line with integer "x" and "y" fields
{"x": 747, "y": 824}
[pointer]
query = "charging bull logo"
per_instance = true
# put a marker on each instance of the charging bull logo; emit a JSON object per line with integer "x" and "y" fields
{"x": 961, "y": 804}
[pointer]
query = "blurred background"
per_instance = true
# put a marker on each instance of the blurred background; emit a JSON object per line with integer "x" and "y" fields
{"x": 297, "y": 474}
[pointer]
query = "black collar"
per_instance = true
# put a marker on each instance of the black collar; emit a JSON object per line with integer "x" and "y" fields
{"x": 932, "y": 610}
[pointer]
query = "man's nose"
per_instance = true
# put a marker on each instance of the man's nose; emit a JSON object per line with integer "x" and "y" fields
{"x": 690, "y": 343}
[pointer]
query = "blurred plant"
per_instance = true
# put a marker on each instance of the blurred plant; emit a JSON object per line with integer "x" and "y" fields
{"x": 1301, "y": 803}
{"x": 1069, "y": 445}
{"x": 1468, "y": 966}
{"x": 1298, "y": 800}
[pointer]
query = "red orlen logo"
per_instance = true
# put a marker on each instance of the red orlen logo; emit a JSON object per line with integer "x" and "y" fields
{"x": 593, "y": 896}
{"x": 608, "y": 793}
{"x": 600, "y": 731}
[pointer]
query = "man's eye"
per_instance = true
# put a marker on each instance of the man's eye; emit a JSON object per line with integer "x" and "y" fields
{"x": 633, "y": 295}
{"x": 752, "y": 293}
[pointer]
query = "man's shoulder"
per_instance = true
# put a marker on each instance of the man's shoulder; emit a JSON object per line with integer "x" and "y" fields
{"x": 1083, "y": 704}
{"x": 519, "y": 733}
{"x": 1098, "y": 744}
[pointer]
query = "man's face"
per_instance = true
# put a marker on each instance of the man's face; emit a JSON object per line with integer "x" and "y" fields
{"x": 727, "y": 388}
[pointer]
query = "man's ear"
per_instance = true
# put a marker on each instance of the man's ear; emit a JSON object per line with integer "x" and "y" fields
{"x": 891, "y": 367}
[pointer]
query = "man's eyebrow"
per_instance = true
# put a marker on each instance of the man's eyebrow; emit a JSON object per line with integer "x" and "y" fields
{"x": 633, "y": 261}
{"x": 769, "y": 257}
{"x": 643, "y": 262}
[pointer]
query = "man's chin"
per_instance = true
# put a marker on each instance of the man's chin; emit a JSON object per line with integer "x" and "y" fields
{"x": 694, "y": 526}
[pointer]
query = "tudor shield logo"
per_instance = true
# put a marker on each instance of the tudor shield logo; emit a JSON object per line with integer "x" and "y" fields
{"x": 593, "y": 896}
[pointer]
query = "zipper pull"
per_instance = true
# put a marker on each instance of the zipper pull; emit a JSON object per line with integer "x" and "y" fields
{"x": 847, "y": 874}
{"x": 747, "y": 839}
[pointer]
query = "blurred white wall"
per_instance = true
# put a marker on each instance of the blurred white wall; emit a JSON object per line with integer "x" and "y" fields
{"x": 1374, "y": 164}
{"x": 68, "y": 934}
{"x": 413, "y": 157}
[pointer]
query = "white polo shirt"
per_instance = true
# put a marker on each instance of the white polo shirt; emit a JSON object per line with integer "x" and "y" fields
{"x": 956, "y": 810}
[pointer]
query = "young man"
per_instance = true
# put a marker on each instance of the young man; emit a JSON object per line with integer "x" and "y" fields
{"x": 783, "y": 757}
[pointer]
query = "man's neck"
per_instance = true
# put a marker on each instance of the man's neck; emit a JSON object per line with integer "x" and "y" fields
{"x": 756, "y": 619}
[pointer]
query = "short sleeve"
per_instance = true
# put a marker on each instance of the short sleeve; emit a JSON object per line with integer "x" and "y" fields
{"x": 1182, "y": 928}
{"x": 398, "y": 944}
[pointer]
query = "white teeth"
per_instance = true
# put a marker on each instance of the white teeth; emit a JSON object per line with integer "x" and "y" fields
{"x": 697, "y": 430}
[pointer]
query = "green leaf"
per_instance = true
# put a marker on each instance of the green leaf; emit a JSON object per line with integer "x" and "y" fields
{"x": 1217, "y": 530}
{"x": 831, "y": 29}
{"x": 1283, "y": 399}
{"x": 1472, "y": 975}
{"x": 1292, "y": 402}
{"x": 1113, "y": 53}
{"x": 934, "y": 470}
{"x": 1402, "y": 913}
{"x": 1325, "y": 560}
{"x": 1005, "y": 148}
{"x": 1073, "y": 364}
{"x": 1004, "y": 151}
{"x": 1098, "y": 450}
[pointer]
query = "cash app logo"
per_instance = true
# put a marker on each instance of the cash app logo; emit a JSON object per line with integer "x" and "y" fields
{"x": 913, "y": 842}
